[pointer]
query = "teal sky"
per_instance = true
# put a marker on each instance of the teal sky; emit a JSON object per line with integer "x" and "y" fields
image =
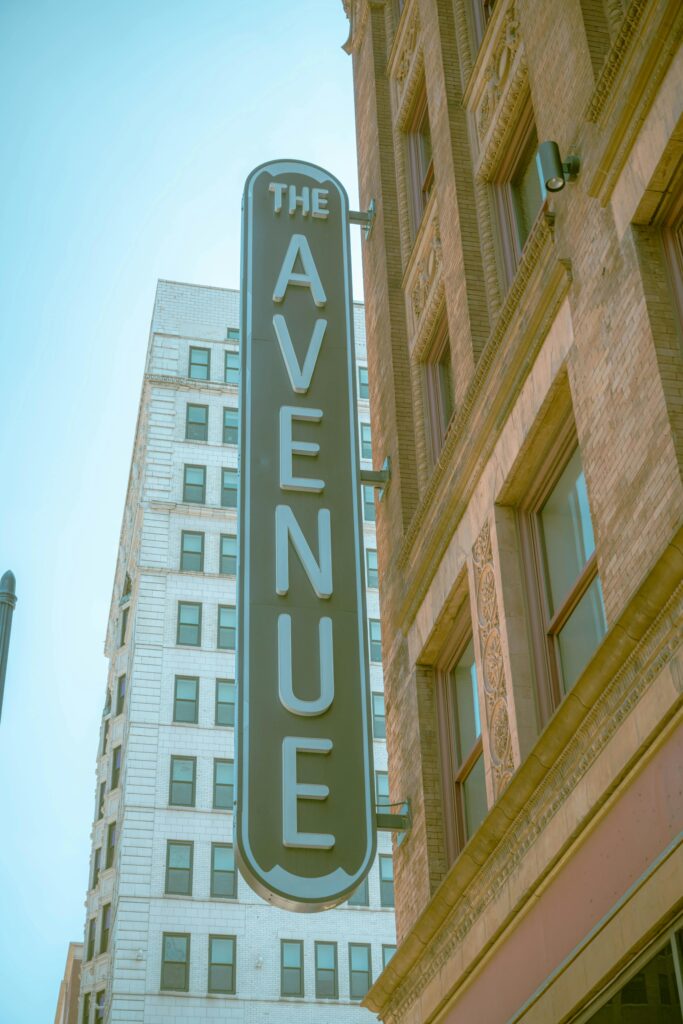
{"x": 128, "y": 129}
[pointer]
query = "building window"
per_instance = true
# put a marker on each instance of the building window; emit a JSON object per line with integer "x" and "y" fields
{"x": 97, "y": 857}
{"x": 439, "y": 387}
{"x": 227, "y": 627}
{"x": 233, "y": 334}
{"x": 100, "y": 800}
{"x": 111, "y": 845}
{"x": 105, "y": 927}
{"x": 191, "y": 551}
{"x": 116, "y": 767}
{"x": 386, "y": 880}
{"x": 365, "y": 441}
{"x": 178, "y": 868}
{"x": 360, "y": 971}
{"x": 200, "y": 363}
{"x": 672, "y": 238}
{"x": 360, "y": 897}
{"x": 225, "y": 702}
{"x": 85, "y": 1016}
{"x": 120, "y": 694}
{"x": 379, "y": 722}
{"x": 194, "y": 484}
{"x": 371, "y": 570}
{"x": 463, "y": 761}
{"x": 185, "y": 699}
{"x": 223, "y": 873}
{"x": 105, "y": 735}
{"x": 232, "y": 368}
{"x": 223, "y": 785}
{"x": 363, "y": 384}
{"x": 222, "y": 963}
{"x": 656, "y": 986}
{"x": 291, "y": 967}
{"x": 228, "y": 558}
{"x": 175, "y": 962}
{"x": 382, "y": 792}
{"x": 369, "y": 514}
{"x": 197, "y": 423}
{"x": 481, "y": 15}
{"x": 229, "y": 488}
{"x": 90, "y": 944}
{"x": 387, "y": 952}
{"x": 519, "y": 195}
{"x": 189, "y": 632}
{"x": 183, "y": 781}
{"x": 230, "y": 426}
{"x": 326, "y": 986}
{"x": 124, "y": 626}
{"x": 375, "y": 640}
{"x": 420, "y": 166}
{"x": 562, "y": 569}
{"x": 99, "y": 1007}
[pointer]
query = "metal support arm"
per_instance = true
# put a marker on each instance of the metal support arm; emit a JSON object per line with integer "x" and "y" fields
{"x": 399, "y": 821}
{"x": 366, "y": 220}
{"x": 378, "y": 478}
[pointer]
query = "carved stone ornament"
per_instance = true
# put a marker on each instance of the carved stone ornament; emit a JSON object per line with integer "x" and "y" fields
{"x": 493, "y": 682}
{"x": 497, "y": 70}
{"x": 406, "y": 64}
{"x": 428, "y": 269}
{"x": 357, "y": 12}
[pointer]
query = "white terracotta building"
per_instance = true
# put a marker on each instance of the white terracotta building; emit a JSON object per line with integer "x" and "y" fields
{"x": 171, "y": 933}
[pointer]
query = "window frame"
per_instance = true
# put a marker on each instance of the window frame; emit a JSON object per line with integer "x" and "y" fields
{"x": 85, "y": 1008}
{"x": 224, "y": 785}
{"x": 228, "y": 704}
{"x": 185, "y": 843}
{"x": 302, "y": 988}
{"x": 316, "y": 945}
{"x": 229, "y": 488}
{"x": 230, "y": 427}
{"x": 439, "y": 416}
{"x": 233, "y": 966}
{"x": 193, "y": 604}
{"x": 90, "y": 939}
{"x": 100, "y": 998}
{"x": 374, "y": 641}
{"x": 110, "y": 854}
{"x": 371, "y": 571}
{"x": 105, "y": 929}
{"x": 366, "y": 441}
{"x": 382, "y": 735}
{"x": 369, "y": 506}
{"x": 199, "y": 348}
{"x": 191, "y": 533}
{"x": 186, "y": 962}
{"x": 193, "y": 760}
{"x": 672, "y": 242}
{"x": 184, "y": 700}
{"x": 116, "y": 755}
{"x": 419, "y": 169}
{"x": 385, "y": 947}
{"x": 221, "y": 556}
{"x": 186, "y": 499}
{"x": 368, "y": 947}
{"x": 384, "y": 900}
{"x": 189, "y": 424}
{"x": 232, "y": 638}
{"x": 362, "y": 900}
{"x": 213, "y": 870}
{"x": 228, "y": 370}
{"x": 363, "y": 384}
{"x": 96, "y": 866}
{"x": 120, "y": 694}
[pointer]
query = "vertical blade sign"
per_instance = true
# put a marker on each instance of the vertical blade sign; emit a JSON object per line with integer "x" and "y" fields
{"x": 305, "y": 829}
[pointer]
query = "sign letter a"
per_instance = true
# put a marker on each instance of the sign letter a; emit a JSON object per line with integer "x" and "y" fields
{"x": 299, "y": 248}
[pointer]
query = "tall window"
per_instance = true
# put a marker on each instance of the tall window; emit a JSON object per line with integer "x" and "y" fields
{"x": 85, "y": 1015}
{"x": 232, "y": 368}
{"x": 420, "y": 166}
{"x": 105, "y": 927}
{"x": 360, "y": 897}
{"x": 120, "y": 694}
{"x": 326, "y": 986}
{"x": 461, "y": 748}
{"x": 100, "y": 800}
{"x": 371, "y": 570}
{"x": 115, "y": 767}
{"x": 386, "y": 880}
{"x": 99, "y": 1007}
{"x": 223, "y": 785}
{"x": 439, "y": 382}
{"x": 230, "y": 426}
{"x": 365, "y": 441}
{"x": 179, "y": 868}
{"x": 183, "y": 781}
{"x": 111, "y": 845}
{"x": 97, "y": 857}
{"x": 191, "y": 551}
{"x": 185, "y": 699}
{"x": 197, "y": 423}
{"x": 375, "y": 640}
{"x": 672, "y": 237}
{"x": 363, "y": 384}
{"x": 291, "y": 967}
{"x": 90, "y": 944}
{"x": 189, "y": 632}
{"x": 379, "y": 723}
{"x": 382, "y": 791}
{"x": 194, "y": 484}
{"x": 369, "y": 513}
{"x": 655, "y": 986}
{"x": 200, "y": 363}
{"x": 229, "y": 488}
{"x": 223, "y": 873}
{"x": 228, "y": 557}
{"x": 562, "y": 570}
{"x": 225, "y": 702}
{"x": 227, "y": 627}
{"x": 360, "y": 970}
{"x": 221, "y": 963}
{"x": 124, "y": 626}
{"x": 175, "y": 962}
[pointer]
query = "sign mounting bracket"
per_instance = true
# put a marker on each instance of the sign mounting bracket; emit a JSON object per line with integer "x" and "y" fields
{"x": 378, "y": 478}
{"x": 399, "y": 821}
{"x": 365, "y": 219}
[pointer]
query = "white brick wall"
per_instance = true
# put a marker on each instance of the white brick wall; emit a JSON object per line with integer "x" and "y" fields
{"x": 154, "y": 517}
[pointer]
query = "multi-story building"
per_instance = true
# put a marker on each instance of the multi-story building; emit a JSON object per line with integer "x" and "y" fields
{"x": 172, "y": 931}
{"x": 69, "y": 988}
{"x": 525, "y": 365}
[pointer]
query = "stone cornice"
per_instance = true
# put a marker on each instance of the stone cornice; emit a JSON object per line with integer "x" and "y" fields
{"x": 406, "y": 63}
{"x": 615, "y": 59}
{"x": 357, "y": 11}
{"x": 161, "y": 380}
{"x": 607, "y": 692}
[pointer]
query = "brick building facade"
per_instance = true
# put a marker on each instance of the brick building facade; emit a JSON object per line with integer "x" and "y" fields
{"x": 526, "y": 380}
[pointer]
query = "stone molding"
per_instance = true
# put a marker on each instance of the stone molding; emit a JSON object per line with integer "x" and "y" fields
{"x": 615, "y": 58}
{"x": 468, "y": 899}
{"x": 423, "y": 281}
{"x": 357, "y": 11}
{"x": 494, "y": 683}
{"x": 406, "y": 63}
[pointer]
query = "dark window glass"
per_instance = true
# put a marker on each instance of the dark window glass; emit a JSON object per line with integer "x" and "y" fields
{"x": 232, "y": 368}
{"x": 653, "y": 988}
{"x": 120, "y": 694}
{"x": 200, "y": 363}
{"x": 105, "y": 735}
{"x": 326, "y": 970}
{"x": 233, "y": 334}
{"x": 85, "y": 1015}
{"x": 387, "y": 953}
{"x": 189, "y": 624}
{"x": 179, "y": 868}
{"x": 375, "y": 640}
{"x": 97, "y": 857}
{"x": 439, "y": 384}
{"x": 223, "y": 785}
{"x": 221, "y": 963}
{"x": 365, "y": 441}
{"x": 191, "y": 551}
{"x": 379, "y": 723}
{"x": 360, "y": 897}
{"x": 105, "y": 927}
{"x": 382, "y": 791}
{"x": 227, "y": 627}
{"x": 369, "y": 512}
{"x": 90, "y": 945}
{"x": 420, "y": 167}
{"x": 223, "y": 873}
{"x": 197, "y": 422}
{"x": 363, "y": 389}
{"x": 185, "y": 699}
{"x": 182, "y": 786}
{"x": 228, "y": 560}
{"x": 225, "y": 702}
{"x": 100, "y": 801}
{"x": 386, "y": 881}
{"x": 360, "y": 971}
{"x": 291, "y": 967}
{"x": 229, "y": 488}
{"x": 230, "y": 426}
{"x": 175, "y": 962}
{"x": 115, "y": 767}
{"x": 99, "y": 1007}
{"x": 124, "y": 626}
{"x": 111, "y": 844}
{"x": 194, "y": 484}
{"x": 371, "y": 574}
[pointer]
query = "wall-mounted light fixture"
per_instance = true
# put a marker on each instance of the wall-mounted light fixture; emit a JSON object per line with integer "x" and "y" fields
{"x": 554, "y": 171}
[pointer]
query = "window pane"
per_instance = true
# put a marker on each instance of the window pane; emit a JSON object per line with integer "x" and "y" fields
{"x": 191, "y": 551}
{"x": 199, "y": 363}
{"x": 527, "y": 190}
{"x": 223, "y": 875}
{"x": 225, "y": 702}
{"x": 653, "y": 987}
{"x": 359, "y": 970}
{"x": 474, "y": 797}
{"x": 360, "y": 897}
{"x": 363, "y": 389}
{"x": 228, "y": 560}
{"x": 230, "y": 426}
{"x": 375, "y": 640}
{"x": 223, "y": 789}
{"x": 229, "y": 488}
{"x": 194, "y": 484}
{"x": 291, "y": 954}
{"x": 372, "y": 575}
{"x": 232, "y": 368}
{"x": 185, "y": 704}
{"x": 465, "y": 701}
{"x": 326, "y": 970}
{"x": 387, "y": 953}
{"x": 567, "y": 531}
{"x": 386, "y": 881}
{"x": 382, "y": 790}
{"x": 197, "y": 423}
{"x": 369, "y": 504}
{"x": 365, "y": 441}
{"x": 227, "y": 628}
{"x": 189, "y": 624}
{"x": 581, "y": 634}
{"x": 379, "y": 728}
{"x": 182, "y": 782}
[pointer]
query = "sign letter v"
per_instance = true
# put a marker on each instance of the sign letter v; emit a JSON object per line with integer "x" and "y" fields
{"x": 300, "y": 378}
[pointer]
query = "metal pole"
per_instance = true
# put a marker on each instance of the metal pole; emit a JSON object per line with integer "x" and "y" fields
{"x": 8, "y": 599}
